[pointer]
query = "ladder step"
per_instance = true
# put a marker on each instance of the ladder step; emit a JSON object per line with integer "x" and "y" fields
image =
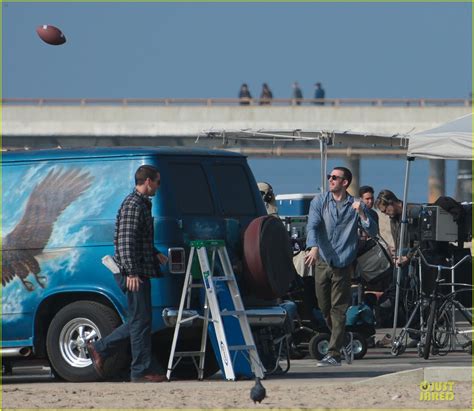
{"x": 188, "y": 319}
{"x": 242, "y": 347}
{"x": 188, "y": 353}
{"x": 223, "y": 278}
{"x": 228, "y": 313}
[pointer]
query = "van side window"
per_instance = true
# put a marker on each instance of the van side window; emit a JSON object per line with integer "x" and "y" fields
{"x": 234, "y": 190}
{"x": 191, "y": 188}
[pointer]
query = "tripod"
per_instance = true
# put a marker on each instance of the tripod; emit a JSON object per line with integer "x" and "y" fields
{"x": 420, "y": 304}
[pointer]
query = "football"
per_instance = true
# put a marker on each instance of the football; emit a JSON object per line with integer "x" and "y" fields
{"x": 51, "y": 35}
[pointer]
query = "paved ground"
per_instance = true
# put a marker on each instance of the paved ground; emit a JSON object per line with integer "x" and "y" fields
{"x": 377, "y": 362}
{"x": 380, "y": 380}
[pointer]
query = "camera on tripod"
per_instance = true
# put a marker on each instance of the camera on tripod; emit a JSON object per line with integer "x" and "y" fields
{"x": 431, "y": 222}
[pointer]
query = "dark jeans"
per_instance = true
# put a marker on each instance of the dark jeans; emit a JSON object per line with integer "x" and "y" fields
{"x": 333, "y": 290}
{"x": 137, "y": 330}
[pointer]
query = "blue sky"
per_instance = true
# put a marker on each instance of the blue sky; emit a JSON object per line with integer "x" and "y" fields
{"x": 389, "y": 50}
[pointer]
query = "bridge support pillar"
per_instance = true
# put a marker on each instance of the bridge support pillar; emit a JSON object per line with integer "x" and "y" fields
{"x": 464, "y": 181}
{"x": 353, "y": 164}
{"x": 436, "y": 180}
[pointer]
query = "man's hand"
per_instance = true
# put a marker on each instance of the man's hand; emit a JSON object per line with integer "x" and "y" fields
{"x": 356, "y": 205}
{"x": 133, "y": 283}
{"x": 401, "y": 261}
{"x": 162, "y": 258}
{"x": 312, "y": 256}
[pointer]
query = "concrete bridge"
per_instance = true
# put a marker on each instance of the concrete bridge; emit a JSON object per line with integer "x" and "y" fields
{"x": 42, "y": 123}
{"x": 47, "y": 123}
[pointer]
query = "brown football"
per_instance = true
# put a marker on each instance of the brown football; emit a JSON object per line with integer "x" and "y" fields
{"x": 51, "y": 35}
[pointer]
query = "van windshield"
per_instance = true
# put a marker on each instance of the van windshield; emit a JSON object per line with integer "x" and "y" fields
{"x": 193, "y": 195}
{"x": 234, "y": 190}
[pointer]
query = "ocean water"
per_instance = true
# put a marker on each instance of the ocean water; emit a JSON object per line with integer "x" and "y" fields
{"x": 289, "y": 176}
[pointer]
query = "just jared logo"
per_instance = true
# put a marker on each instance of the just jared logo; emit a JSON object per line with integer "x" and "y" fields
{"x": 437, "y": 391}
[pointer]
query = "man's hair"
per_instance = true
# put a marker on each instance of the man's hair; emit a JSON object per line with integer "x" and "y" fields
{"x": 385, "y": 198}
{"x": 144, "y": 172}
{"x": 347, "y": 174}
{"x": 365, "y": 189}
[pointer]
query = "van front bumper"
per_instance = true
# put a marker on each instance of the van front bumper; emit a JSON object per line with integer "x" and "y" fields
{"x": 258, "y": 317}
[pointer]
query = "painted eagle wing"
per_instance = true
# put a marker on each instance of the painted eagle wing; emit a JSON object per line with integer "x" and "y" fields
{"x": 45, "y": 204}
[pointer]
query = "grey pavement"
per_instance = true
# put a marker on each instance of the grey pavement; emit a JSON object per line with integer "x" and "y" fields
{"x": 378, "y": 362}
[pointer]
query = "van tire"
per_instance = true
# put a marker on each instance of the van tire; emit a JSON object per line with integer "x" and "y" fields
{"x": 66, "y": 346}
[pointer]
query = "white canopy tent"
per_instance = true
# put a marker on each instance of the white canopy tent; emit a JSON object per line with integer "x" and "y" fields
{"x": 450, "y": 141}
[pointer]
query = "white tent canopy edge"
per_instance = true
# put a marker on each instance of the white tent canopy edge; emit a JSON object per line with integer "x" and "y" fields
{"x": 450, "y": 141}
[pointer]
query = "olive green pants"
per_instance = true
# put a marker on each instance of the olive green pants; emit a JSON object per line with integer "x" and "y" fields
{"x": 333, "y": 291}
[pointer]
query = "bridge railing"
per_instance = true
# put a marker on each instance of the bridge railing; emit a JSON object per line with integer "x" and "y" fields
{"x": 330, "y": 102}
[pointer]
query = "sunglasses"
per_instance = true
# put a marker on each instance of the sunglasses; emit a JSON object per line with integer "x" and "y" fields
{"x": 333, "y": 177}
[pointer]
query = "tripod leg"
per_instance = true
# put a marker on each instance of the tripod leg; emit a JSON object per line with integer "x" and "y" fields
{"x": 397, "y": 345}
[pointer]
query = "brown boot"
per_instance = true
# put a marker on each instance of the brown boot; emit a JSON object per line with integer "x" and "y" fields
{"x": 150, "y": 378}
{"x": 97, "y": 360}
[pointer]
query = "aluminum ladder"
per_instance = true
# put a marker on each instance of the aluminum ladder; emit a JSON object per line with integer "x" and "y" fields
{"x": 214, "y": 314}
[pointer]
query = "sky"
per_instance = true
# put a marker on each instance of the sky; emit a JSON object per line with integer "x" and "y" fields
{"x": 156, "y": 50}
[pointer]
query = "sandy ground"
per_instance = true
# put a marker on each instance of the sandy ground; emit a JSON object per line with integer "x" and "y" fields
{"x": 221, "y": 394}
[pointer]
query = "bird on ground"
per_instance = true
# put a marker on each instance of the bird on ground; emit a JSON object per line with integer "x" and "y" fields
{"x": 258, "y": 392}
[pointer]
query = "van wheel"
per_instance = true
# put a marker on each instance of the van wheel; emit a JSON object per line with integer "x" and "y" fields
{"x": 319, "y": 345}
{"x": 71, "y": 329}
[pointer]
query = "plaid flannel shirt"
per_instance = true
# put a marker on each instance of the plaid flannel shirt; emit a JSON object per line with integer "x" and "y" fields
{"x": 133, "y": 239}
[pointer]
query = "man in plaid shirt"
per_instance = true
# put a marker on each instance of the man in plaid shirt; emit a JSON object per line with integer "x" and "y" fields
{"x": 139, "y": 261}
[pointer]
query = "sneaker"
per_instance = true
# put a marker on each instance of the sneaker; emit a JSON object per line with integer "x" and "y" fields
{"x": 329, "y": 361}
{"x": 150, "y": 378}
{"x": 97, "y": 360}
{"x": 347, "y": 350}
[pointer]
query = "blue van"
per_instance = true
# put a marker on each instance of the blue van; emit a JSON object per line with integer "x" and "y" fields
{"x": 58, "y": 219}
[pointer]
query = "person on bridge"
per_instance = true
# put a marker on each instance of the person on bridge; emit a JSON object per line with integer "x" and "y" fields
{"x": 266, "y": 95}
{"x": 244, "y": 95}
{"x": 332, "y": 238}
{"x": 297, "y": 93}
{"x": 319, "y": 94}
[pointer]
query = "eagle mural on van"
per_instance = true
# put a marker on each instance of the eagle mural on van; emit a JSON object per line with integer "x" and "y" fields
{"x": 24, "y": 244}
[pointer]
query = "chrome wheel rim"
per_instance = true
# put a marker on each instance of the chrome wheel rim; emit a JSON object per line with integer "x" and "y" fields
{"x": 323, "y": 347}
{"x": 357, "y": 347}
{"x": 73, "y": 339}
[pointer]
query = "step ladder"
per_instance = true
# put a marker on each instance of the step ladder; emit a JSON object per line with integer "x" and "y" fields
{"x": 214, "y": 314}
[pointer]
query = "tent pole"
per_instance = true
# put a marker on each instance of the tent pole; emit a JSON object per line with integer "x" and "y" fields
{"x": 401, "y": 245}
{"x": 324, "y": 159}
